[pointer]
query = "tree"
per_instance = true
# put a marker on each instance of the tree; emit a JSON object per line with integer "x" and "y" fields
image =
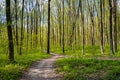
{"x": 48, "y": 39}
{"x": 111, "y": 24}
{"x": 36, "y": 28}
{"x": 21, "y": 40}
{"x": 63, "y": 29}
{"x": 9, "y": 30}
{"x": 115, "y": 24}
{"x": 16, "y": 22}
{"x": 91, "y": 11}
{"x": 58, "y": 5}
{"x": 83, "y": 31}
{"x": 28, "y": 25}
{"x": 101, "y": 26}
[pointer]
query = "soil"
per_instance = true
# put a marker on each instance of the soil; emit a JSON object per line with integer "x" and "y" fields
{"x": 43, "y": 70}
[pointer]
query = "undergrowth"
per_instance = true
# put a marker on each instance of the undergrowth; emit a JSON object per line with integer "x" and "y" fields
{"x": 11, "y": 71}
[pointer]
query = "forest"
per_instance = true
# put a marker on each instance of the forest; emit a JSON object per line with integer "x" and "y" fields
{"x": 59, "y": 40}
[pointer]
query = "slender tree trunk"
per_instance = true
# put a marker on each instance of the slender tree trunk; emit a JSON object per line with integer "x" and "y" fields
{"x": 92, "y": 22}
{"x": 60, "y": 28}
{"x": 83, "y": 32}
{"x": 31, "y": 31}
{"x": 48, "y": 39}
{"x": 63, "y": 30}
{"x": 27, "y": 30}
{"x": 36, "y": 31}
{"x": 40, "y": 7}
{"x": 9, "y": 30}
{"x": 21, "y": 41}
{"x": 111, "y": 38}
{"x": 115, "y": 24}
{"x": 16, "y": 22}
{"x": 101, "y": 27}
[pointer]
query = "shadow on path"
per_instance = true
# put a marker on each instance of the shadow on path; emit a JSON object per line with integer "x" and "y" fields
{"x": 43, "y": 70}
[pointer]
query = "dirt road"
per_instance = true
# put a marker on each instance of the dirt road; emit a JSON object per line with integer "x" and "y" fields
{"x": 42, "y": 70}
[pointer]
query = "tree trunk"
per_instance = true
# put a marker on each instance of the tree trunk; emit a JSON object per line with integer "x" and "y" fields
{"x": 83, "y": 32}
{"x": 48, "y": 39}
{"x": 115, "y": 24}
{"x": 101, "y": 26}
{"x": 9, "y": 29}
{"x": 16, "y": 22}
{"x": 21, "y": 40}
{"x": 111, "y": 38}
{"x": 63, "y": 30}
{"x": 92, "y": 22}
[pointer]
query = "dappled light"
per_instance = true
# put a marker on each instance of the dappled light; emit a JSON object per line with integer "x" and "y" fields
{"x": 59, "y": 40}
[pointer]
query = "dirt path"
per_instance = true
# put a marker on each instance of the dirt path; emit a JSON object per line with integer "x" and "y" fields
{"x": 42, "y": 70}
{"x": 108, "y": 58}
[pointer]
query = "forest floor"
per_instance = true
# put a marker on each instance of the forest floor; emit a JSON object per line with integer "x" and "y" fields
{"x": 89, "y": 68}
{"x": 46, "y": 69}
{"x": 42, "y": 70}
{"x": 108, "y": 58}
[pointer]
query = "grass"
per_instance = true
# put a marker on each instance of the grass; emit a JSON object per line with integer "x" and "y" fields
{"x": 89, "y": 51}
{"x": 13, "y": 71}
{"x": 88, "y": 69}
{"x": 75, "y": 67}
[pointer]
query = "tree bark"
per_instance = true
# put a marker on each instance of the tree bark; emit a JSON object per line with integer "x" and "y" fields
{"x": 83, "y": 32}
{"x": 115, "y": 24}
{"x": 16, "y": 22}
{"x": 21, "y": 40}
{"x": 48, "y": 39}
{"x": 63, "y": 31}
{"x": 101, "y": 26}
{"x": 111, "y": 38}
{"x": 9, "y": 30}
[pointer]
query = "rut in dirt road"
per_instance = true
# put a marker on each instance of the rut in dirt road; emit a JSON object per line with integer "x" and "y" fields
{"x": 43, "y": 70}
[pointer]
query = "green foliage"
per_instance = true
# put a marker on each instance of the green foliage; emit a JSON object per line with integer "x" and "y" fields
{"x": 77, "y": 52}
{"x": 12, "y": 71}
{"x": 89, "y": 66}
{"x": 115, "y": 74}
{"x": 85, "y": 69}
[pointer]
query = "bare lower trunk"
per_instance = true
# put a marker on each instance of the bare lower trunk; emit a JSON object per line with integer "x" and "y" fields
{"x": 9, "y": 30}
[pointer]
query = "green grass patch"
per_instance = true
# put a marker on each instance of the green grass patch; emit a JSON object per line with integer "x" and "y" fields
{"x": 13, "y": 71}
{"x": 88, "y": 69}
{"x": 89, "y": 51}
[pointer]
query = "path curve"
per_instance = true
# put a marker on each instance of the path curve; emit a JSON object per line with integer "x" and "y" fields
{"x": 42, "y": 70}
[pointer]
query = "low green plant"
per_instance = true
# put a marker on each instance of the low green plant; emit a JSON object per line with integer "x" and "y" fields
{"x": 88, "y": 69}
{"x": 11, "y": 71}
